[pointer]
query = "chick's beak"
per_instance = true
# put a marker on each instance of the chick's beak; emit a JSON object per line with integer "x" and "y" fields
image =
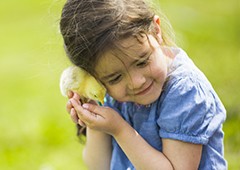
{"x": 101, "y": 101}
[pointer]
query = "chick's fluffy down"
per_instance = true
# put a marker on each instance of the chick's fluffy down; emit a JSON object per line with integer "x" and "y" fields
{"x": 71, "y": 79}
{"x": 78, "y": 80}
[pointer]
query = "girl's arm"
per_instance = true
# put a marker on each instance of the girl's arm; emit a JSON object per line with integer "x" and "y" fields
{"x": 97, "y": 152}
{"x": 176, "y": 154}
{"x": 141, "y": 154}
{"x": 182, "y": 155}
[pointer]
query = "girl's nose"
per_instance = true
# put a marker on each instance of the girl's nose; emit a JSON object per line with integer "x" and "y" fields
{"x": 136, "y": 80}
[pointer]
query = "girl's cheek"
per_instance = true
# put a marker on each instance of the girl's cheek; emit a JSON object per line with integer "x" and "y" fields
{"x": 117, "y": 93}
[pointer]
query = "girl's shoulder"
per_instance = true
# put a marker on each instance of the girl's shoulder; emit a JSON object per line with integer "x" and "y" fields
{"x": 189, "y": 107}
{"x": 183, "y": 74}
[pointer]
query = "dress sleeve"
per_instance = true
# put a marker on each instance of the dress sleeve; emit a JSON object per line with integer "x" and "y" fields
{"x": 190, "y": 111}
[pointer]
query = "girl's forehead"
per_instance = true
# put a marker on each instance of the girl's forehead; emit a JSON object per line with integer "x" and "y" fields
{"x": 125, "y": 52}
{"x": 133, "y": 42}
{"x": 110, "y": 63}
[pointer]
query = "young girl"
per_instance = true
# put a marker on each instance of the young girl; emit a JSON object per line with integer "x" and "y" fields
{"x": 160, "y": 111}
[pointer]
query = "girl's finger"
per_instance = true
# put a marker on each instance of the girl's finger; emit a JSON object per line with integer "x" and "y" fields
{"x": 85, "y": 115}
{"x": 76, "y": 96}
{"x": 76, "y": 104}
{"x": 74, "y": 116}
{"x": 81, "y": 123}
{"x": 93, "y": 102}
{"x": 94, "y": 108}
{"x": 70, "y": 94}
{"x": 69, "y": 106}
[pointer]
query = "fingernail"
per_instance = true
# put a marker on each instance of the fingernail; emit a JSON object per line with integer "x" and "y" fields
{"x": 85, "y": 106}
{"x": 72, "y": 111}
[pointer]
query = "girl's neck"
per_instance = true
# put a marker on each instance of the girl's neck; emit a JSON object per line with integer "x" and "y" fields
{"x": 170, "y": 55}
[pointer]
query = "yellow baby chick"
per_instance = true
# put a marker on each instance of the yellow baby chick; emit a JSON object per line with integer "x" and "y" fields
{"x": 78, "y": 80}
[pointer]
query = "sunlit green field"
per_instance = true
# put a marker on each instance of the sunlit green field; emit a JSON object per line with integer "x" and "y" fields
{"x": 35, "y": 130}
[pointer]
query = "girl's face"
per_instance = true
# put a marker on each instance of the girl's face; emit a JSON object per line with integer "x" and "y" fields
{"x": 137, "y": 73}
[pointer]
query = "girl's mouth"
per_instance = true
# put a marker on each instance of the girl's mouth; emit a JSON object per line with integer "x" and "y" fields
{"x": 145, "y": 90}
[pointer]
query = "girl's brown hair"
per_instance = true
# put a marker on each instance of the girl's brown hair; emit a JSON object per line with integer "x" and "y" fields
{"x": 89, "y": 27}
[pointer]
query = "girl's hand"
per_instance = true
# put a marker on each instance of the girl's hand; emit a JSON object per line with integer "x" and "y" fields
{"x": 71, "y": 110}
{"x": 99, "y": 118}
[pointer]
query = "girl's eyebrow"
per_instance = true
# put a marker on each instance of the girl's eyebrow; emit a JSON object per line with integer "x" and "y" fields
{"x": 143, "y": 54}
{"x": 109, "y": 76}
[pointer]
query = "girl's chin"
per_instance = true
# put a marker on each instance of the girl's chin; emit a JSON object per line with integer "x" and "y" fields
{"x": 146, "y": 100}
{"x": 141, "y": 99}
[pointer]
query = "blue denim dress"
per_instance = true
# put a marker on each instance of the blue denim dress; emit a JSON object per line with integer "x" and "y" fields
{"x": 188, "y": 110}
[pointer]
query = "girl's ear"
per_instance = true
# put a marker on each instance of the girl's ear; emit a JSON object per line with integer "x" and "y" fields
{"x": 156, "y": 23}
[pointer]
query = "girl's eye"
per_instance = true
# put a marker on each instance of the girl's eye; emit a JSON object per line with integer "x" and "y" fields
{"x": 143, "y": 63}
{"x": 115, "y": 80}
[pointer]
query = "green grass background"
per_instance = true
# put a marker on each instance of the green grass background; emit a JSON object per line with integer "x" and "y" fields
{"x": 36, "y": 131}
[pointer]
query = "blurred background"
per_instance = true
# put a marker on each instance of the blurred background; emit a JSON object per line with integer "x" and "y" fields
{"x": 35, "y": 130}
